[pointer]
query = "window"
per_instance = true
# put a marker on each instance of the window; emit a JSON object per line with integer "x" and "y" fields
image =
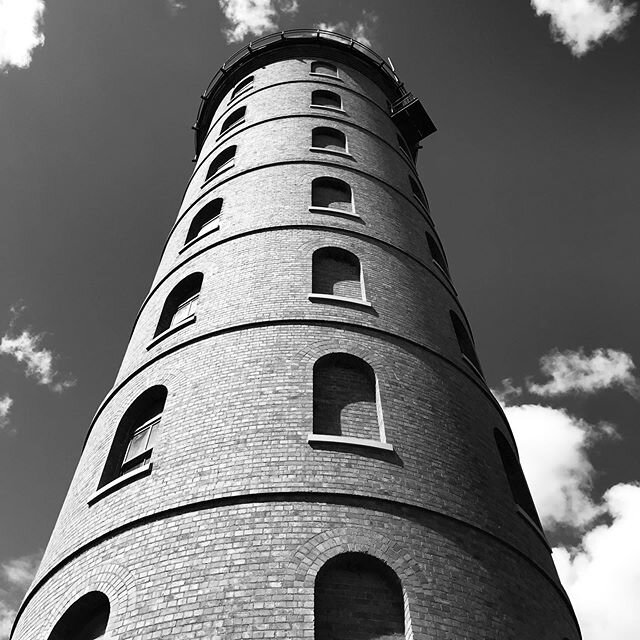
{"x": 326, "y": 99}
{"x": 235, "y": 118}
{"x": 223, "y": 160}
{"x": 85, "y": 619}
{"x": 180, "y": 303}
{"x": 136, "y": 434}
{"x": 436, "y": 253}
{"x": 328, "y": 139}
{"x": 405, "y": 148}
{"x": 205, "y": 220}
{"x": 345, "y": 399}
{"x": 418, "y": 192}
{"x": 331, "y": 193}
{"x": 515, "y": 477}
{"x": 324, "y": 69}
{"x": 243, "y": 85}
{"x": 358, "y": 596}
{"x": 336, "y": 272}
{"x": 464, "y": 341}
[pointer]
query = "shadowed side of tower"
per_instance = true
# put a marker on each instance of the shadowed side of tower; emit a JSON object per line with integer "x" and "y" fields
{"x": 300, "y": 442}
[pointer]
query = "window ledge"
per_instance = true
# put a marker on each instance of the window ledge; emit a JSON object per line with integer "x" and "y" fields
{"x": 197, "y": 238}
{"x": 231, "y": 128}
{"x": 333, "y": 152}
{"x": 473, "y": 366}
{"x": 327, "y": 297}
{"x": 342, "y": 212}
{"x": 240, "y": 94}
{"x": 120, "y": 481}
{"x": 444, "y": 271}
{"x": 171, "y": 330}
{"x": 325, "y": 75}
{"x": 320, "y": 438}
{"x": 327, "y": 108}
{"x": 533, "y": 524}
{"x": 217, "y": 173}
{"x": 422, "y": 203}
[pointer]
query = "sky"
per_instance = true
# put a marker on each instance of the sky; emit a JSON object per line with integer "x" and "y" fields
{"x": 533, "y": 182}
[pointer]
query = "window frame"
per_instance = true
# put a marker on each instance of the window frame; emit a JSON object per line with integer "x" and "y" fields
{"x": 344, "y": 152}
{"x": 321, "y": 74}
{"x": 226, "y": 128}
{"x": 236, "y": 92}
{"x": 339, "y": 109}
{"x": 333, "y": 210}
{"x": 134, "y": 462}
{"x": 228, "y": 164}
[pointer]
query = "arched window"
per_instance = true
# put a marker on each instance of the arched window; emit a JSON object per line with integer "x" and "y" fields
{"x": 235, "y": 118}
{"x": 244, "y": 85}
{"x": 418, "y": 192}
{"x": 358, "y": 596}
{"x": 180, "y": 303}
{"x": 464, "y": 340}
{"x": 324, "y": 69}
{"x": 345, "y": 401}
{"x": 85, "y": 619}
{"x": 223, "y": 160}
{"x": 436, "y": 253}
{"x": 328, "y": 139}
{"x": 205, "y": 220}
{"x": 331, "y": 193}
{"x": 135, "y": 435}
{"x": 517, "y": 481}
{"x": 336, "y": 272}
{"x": 326, "y": 99}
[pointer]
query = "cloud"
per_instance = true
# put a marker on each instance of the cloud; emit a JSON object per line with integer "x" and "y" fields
{"x": 20, "y": 31}
{"x": 577, "y": 371}
{"x": 5, "y": 408}
{"x": 253, "y": 17}
{"x": 582, "y": 24}
{"x": 26, "y": 348}
{"x": 176, "y": 5}
{"x": 602, "y": 574}
{"x": 15, "y": 577}
{"x": 363, "y": 30}
{"x": 553, "y": 453}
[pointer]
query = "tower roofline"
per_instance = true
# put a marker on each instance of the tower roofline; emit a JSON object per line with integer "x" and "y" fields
{"x": 410, "y": 115}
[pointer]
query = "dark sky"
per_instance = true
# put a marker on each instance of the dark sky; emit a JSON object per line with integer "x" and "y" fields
{"x": 532, "y": 179}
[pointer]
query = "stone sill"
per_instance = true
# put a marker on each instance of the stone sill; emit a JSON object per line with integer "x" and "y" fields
{"x": 333, "y": 152}
{"x": 231, "y": 128}
{"x": 120, "y": 481}
{"x": 324, "y": 75}
{"x": 319, "y": 438}
{"x": 327, "y": 297}
{"x": 189, "y": 244}
{"x": 171, "y": 330}
{"x": 220, "y": 171}
{"x": 328, "y": 108}
{"x": 341, "y": 212}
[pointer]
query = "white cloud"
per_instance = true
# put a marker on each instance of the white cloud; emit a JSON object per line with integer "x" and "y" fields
{"x": 602, "y": 574}
{"x": 20, "y": 31}
{"x": 5, "y": 408}
{"x": 577, "y": 371}
{"x": 26, "y": 348}
{"x": 363, "y": 30}
{"x": 553, "y": 453}
{"x": 582, "y": 24}
{"x": 15, "y": 577}
{"x": 254, "y": 17}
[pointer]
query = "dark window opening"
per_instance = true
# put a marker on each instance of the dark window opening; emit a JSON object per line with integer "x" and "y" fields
{"x": 241, "y": 86}
{"x": 331, "y": 193}
{"x": 324, "y": 68}
{"x": 336, "y": 272}
{"x": 86, "y": 619}
{"x": 436, "y": 253}
{"x": 180, "y": 303}
{"x": 222, "y": 161}
{"x": 418, "y": 192}
{"x": 515, "y": 477}
{"x": 344, "y": 397}
{"x": 327, "y": 138}
{"x": 236, "y": 117}
{"x": 136, "y": 434}
{"x": 358, "y": 596}
{"x": 464, "y": 340}
{"x": 205, "y": 219}
{"x": 322, "y": 98}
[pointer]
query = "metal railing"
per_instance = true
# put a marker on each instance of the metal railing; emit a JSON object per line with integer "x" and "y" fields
{"x": 292, "y": 34}
{"x": 403, "y": 102}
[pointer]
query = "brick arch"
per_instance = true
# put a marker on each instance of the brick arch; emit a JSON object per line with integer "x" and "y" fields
{"x": 310, "y": 557}
{"x": 115, "y": 581}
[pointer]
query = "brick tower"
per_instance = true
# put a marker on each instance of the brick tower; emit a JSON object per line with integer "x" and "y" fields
{"x": 300, "y": 443}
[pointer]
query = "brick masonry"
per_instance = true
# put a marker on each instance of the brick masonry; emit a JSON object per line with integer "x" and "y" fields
{"x": 226, "y": 534}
